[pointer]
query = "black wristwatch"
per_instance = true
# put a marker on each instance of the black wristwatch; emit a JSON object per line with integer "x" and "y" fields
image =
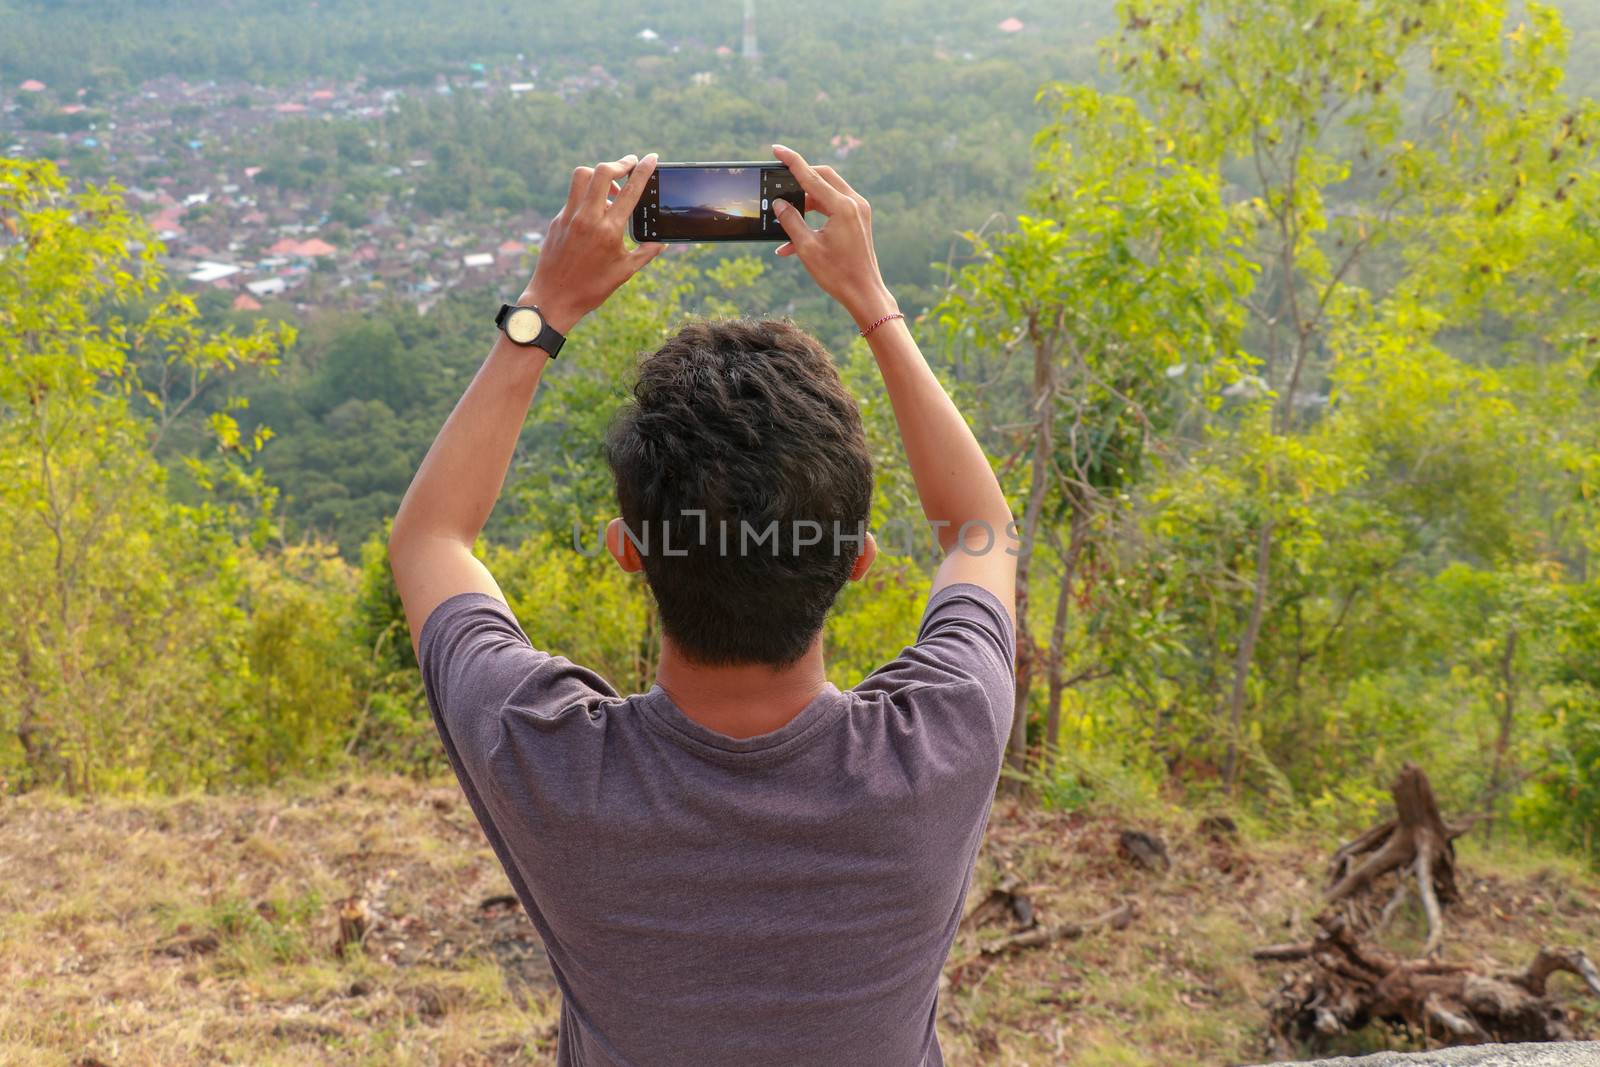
{"x": 524, "y": 325}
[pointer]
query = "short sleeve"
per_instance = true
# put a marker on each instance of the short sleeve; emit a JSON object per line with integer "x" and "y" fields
{"x": 967, "y": 643}
{"x": 476, "y": 660}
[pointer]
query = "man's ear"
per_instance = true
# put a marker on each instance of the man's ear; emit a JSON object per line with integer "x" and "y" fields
{"x": 863, "y": 564}
{"x": 622, "y": 548}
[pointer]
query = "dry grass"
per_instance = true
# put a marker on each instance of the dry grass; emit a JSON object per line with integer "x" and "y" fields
{"x": 201, "y": 930}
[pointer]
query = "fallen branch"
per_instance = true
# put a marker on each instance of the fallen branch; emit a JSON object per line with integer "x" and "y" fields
{"x": 1005, "y": 902}
{"x": 1549, "y": 961}
{"x": 1117, "y": 918}
{"x": 1281, "y": 953}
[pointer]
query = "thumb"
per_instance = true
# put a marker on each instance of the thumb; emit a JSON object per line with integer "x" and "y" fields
{"x": 794, "y": 224}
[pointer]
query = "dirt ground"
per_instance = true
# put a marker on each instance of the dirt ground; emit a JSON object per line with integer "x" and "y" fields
{"x": 203, "y": 930}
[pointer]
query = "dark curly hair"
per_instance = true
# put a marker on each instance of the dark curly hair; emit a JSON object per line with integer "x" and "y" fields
{"x": 748, "y": 423}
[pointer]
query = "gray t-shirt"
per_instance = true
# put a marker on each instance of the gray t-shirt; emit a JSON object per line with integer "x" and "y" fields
{"x": 787, "y": 899}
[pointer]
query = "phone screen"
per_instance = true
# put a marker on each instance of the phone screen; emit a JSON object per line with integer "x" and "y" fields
{"x": 714, "y": 202}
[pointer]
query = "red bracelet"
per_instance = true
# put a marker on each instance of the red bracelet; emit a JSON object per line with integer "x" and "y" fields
{"x": 880, "y": 322}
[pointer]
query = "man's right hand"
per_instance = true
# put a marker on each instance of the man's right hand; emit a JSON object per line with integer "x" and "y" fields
{"x": 839, "y": 257}
{"x": 584, "y": 258}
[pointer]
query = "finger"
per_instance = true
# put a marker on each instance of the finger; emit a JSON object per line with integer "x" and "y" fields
{"x": 794, "y": 224}
{"x": 628, "y": 199}
{"x": 785, "y": 249}
{"x": 819, "y": 193}
{"x": 835, "y": 179}
{"x": 604, "y": 175}
{"x": 581, "y": 177}
{"x": 644, "y": 254}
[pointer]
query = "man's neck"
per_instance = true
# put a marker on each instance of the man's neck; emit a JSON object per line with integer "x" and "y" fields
{"x": 742, "y": 701}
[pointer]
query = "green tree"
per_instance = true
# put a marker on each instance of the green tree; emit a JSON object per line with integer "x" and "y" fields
{"x": 1379, "y": 147}
{"x": 117, "y": 599}
{"x": 1120, "y": 292}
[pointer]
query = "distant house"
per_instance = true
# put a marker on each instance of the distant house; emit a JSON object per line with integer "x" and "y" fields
{"x": 31, "y": 86}
{"x": 1011, "y": 25}
{"x": 207, "y": 271}
{"x": 648, "y": 34}
{"x": 478, "y": 259}
{"x": 267, "y": 287}
{"x": 166, "y": 222}
{"x": 246, "y": 302}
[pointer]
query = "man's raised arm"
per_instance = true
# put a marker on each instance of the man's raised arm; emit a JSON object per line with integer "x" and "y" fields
{"x": 583, "y": 262}
{"x": 960, "y": 495}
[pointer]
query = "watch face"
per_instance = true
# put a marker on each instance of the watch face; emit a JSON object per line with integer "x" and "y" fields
{"x": 523, "y": 325}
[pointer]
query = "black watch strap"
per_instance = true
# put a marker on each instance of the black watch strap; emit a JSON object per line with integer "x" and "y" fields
{"x": 550, "y": 339}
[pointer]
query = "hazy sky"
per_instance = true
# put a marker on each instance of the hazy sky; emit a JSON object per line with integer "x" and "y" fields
{"x": 735, "y": 192}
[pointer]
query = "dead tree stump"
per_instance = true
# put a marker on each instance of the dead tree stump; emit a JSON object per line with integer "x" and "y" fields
{"x": 1352, "y": 982}
{"x": 355, "y": 922}
{"x": 1416, "y": 842}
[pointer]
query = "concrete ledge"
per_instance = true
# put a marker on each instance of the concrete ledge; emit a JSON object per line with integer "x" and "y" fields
{"x": 1560, "y": 1054}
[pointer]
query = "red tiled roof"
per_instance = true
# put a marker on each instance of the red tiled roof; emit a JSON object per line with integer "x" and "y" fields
{"x": 167, "y": 219}
{"x": 288, "y": 246}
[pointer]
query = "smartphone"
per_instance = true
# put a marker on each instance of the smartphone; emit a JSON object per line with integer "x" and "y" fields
{"x": 714, "y": 202}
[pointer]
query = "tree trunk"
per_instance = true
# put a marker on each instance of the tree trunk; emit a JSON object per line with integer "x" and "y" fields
{"x": 1246, "y": 652}
{"x": 1058, "y": 631}
{"x": 1502, "y": 743}
{"x": 33, "y": 734}
{"x": 1044, "y": 405}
